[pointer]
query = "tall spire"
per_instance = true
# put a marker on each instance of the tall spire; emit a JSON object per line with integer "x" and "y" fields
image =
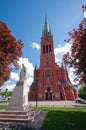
{"x": 46, "y": 29}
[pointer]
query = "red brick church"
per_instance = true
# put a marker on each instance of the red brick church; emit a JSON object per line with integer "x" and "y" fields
{"x": 51, "y": 82}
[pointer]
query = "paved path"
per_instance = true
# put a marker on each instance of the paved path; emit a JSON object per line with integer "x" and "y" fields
{"x": 56, "y": 104}
{"x": 38, "y": 121}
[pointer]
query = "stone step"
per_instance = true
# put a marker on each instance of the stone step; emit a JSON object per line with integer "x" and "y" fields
{"x": 13, "y": 116}
{"x": 16, "y": 116}
{"x": 13, "y": 112}
{"x": 14, "y": 120}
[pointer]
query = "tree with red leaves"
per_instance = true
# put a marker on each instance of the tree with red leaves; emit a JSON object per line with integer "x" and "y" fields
{"x": 77, "y": 57}
{"x": 10, "y": 52}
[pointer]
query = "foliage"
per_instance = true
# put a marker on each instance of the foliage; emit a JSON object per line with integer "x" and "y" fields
{"x": 77, "y": 56}
{"x": 65, "y": 119}
{"x": 8, "y": 94}
{"x": 82, "y": 92}
{"x": 10, "y": 51}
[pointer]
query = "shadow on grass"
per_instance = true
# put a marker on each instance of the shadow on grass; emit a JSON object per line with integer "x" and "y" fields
{"x": 65, "y": 119}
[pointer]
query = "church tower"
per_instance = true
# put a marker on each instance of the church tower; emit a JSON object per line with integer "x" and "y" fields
{"x": 51, "y": 82}
{"x": 47, "y": 57}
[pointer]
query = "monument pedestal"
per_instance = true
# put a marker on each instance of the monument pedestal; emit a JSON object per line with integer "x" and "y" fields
{"x": 19, "y": 99}
{"x": 17, "y": 109}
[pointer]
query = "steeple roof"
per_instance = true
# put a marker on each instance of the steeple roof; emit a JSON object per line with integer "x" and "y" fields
{"x": 46, "y": 29}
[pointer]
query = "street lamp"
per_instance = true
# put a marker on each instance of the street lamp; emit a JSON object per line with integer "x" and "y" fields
{"x": 36, "y": 83}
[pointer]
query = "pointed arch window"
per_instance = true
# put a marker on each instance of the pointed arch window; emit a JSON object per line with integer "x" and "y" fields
{"x": 49, "y": 48}
{"x": 43, "y": 49}
{"x": 46, "y": 49}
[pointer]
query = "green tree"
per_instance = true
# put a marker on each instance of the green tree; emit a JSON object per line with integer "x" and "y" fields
{"x": 82, "y": 92}
{"x": 8, "y": 94}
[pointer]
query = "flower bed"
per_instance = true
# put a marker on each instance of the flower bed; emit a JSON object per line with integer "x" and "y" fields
{"x": 18, "y": 127}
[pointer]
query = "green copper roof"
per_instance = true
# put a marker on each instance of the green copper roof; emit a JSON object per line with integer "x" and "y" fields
{"x": 46, "y": 29}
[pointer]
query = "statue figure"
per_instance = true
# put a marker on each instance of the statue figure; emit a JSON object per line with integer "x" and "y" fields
{"x": 23, "y": 73}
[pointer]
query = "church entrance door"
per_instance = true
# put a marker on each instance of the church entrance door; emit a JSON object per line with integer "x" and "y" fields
{"x": 48, "y": 94}
{"x": 61, "y": 96}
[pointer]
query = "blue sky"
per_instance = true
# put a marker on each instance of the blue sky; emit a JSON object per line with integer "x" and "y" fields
{"x": 25, "y": 19}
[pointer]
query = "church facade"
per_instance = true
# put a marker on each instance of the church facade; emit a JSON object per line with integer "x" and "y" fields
{"x": 51, "y": 82}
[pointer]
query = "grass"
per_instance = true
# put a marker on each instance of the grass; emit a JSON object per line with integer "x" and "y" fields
{"x": 62, "y": 118}
{"x": 3, "y": 105}
{"x": 65, "y": 119}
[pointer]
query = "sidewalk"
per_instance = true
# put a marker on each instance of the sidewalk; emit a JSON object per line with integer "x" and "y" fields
{"x": 38, "y": 121}
{"x": 56, "y": 104}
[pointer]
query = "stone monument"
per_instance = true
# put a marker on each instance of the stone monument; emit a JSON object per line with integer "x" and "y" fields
{"x": 19, "y": 99}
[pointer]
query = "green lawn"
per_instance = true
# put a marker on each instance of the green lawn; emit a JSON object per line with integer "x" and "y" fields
{"x": 65, "y": 119}
{"x": 3, "y": 105}
{"x": 62, "y": 118}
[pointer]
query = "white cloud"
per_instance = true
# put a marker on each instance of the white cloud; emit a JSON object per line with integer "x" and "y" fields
{"x": 35, "y": 45}
{"x": 29, "y": 82}
{"x": 85, "y": 14}
{"x": 59, "y": 45}
{"x": 60, "y": 51}
{"x": 27, "y": 64}
{"x": 10, "y": 87}
{"x": 14, "y": 77}
{"x": 71, "y": 75}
